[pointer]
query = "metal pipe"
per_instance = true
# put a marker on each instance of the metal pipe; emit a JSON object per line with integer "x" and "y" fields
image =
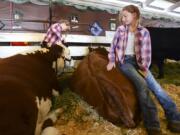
{"x": 11, "y": 14}
{"x": 50, "y": 12}
{"x": 25, "y": 20}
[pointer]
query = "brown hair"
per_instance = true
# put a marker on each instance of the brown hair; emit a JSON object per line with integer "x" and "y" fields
{"x": 64, "y": 21}
{"x": 134, "y": 10}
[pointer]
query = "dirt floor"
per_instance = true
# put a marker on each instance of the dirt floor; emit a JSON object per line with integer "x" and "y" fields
{"x": 78, "y": 118}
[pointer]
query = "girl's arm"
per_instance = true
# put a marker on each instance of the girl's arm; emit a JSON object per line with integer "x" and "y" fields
{"x": 112, "y": 55}
{"x": 56, "y": 28}
{"x": 145, "y": 52}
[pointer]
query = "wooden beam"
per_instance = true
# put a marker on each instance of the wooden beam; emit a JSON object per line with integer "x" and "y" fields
{"x": 38, "y": 37}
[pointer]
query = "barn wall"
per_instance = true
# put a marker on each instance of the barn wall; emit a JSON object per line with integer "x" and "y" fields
{"x": 29, "y": 11}
{"x": 86, "y": 18}
{"x": 25, "y": 11}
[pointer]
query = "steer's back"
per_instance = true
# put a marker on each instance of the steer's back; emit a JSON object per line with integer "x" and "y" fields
{"x": 22, "y": 79}
{"x": 111, "y": 93}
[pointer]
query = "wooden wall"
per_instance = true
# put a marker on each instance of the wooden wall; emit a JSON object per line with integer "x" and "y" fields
{"x": 26, "y": 11}
{"x": 85, "y": 17}
{"x": 29, "y": 11}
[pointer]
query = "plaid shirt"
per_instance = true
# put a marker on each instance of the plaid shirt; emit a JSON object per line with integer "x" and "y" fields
{"x": 142, "y": 47}
{"x": 53, "y": 35}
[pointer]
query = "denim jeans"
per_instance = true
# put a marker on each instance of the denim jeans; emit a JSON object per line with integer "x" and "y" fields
{"x": 147, "y": 106}
{"x": 166, "y": 102}
{"x": 143, "y": 87}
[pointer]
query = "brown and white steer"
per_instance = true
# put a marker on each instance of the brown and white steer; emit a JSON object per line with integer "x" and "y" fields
{"x": 26, "y": 83}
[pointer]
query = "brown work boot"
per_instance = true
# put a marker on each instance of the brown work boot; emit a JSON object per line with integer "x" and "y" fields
{"x": 174, "y": 126}
{"x": 154, "y": 132}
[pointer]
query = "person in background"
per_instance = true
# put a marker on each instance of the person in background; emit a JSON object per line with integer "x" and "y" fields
{"x": 54, "y": 35}
{"x": 131, "y": 52}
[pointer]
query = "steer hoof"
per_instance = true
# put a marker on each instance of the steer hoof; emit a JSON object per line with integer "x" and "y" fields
{"x": 50, "y": 131}
{"x": 55, "y": 93}
{"x": 55, "y": 114}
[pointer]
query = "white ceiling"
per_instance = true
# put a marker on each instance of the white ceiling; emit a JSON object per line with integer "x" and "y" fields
{"x": 166, "y": 5}
{"x": 169, "y": 9}
{"x": 149, "y": 8}
{"x": 161, "y": 8}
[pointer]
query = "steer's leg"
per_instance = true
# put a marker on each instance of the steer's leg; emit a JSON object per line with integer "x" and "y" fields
{"x": 50, "y": 131}
{"x": 47, "y": 128}
{"x": 43, "y": 110}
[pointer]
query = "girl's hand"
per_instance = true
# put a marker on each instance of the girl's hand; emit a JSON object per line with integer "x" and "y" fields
{"x": 110, "y": 66}
{"x": 63, "y": 38}
{"x": 143, "y": 73}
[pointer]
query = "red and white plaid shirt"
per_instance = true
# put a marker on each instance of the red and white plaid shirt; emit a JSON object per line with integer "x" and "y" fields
{"x": 53, "y": 35}
{"x": 142, "y": 45}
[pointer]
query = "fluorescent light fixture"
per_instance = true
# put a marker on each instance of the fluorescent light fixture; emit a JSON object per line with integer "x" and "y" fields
{"x": 120, "y": 3}
{"x": 161, "y": 4}
{"x": 116, "y": 1}
{"x": 153, "y": 10}
{"x": 139, "y": 1}
{"x": 175, "y": 15}
{"x": 177, "y": 9}
{"x": 161, "y": 13}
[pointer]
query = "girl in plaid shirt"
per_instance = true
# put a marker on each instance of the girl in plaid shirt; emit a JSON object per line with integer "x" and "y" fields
{"x": 54, "y": 36}
{"x": 131, "y": 50}
{"x": 54, "y": 33}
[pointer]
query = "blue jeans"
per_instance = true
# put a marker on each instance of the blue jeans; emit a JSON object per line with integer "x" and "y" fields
{"x": 166, "y": 102}
{"x": 143, "y": 87}
{"x": 147, "y": 106}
